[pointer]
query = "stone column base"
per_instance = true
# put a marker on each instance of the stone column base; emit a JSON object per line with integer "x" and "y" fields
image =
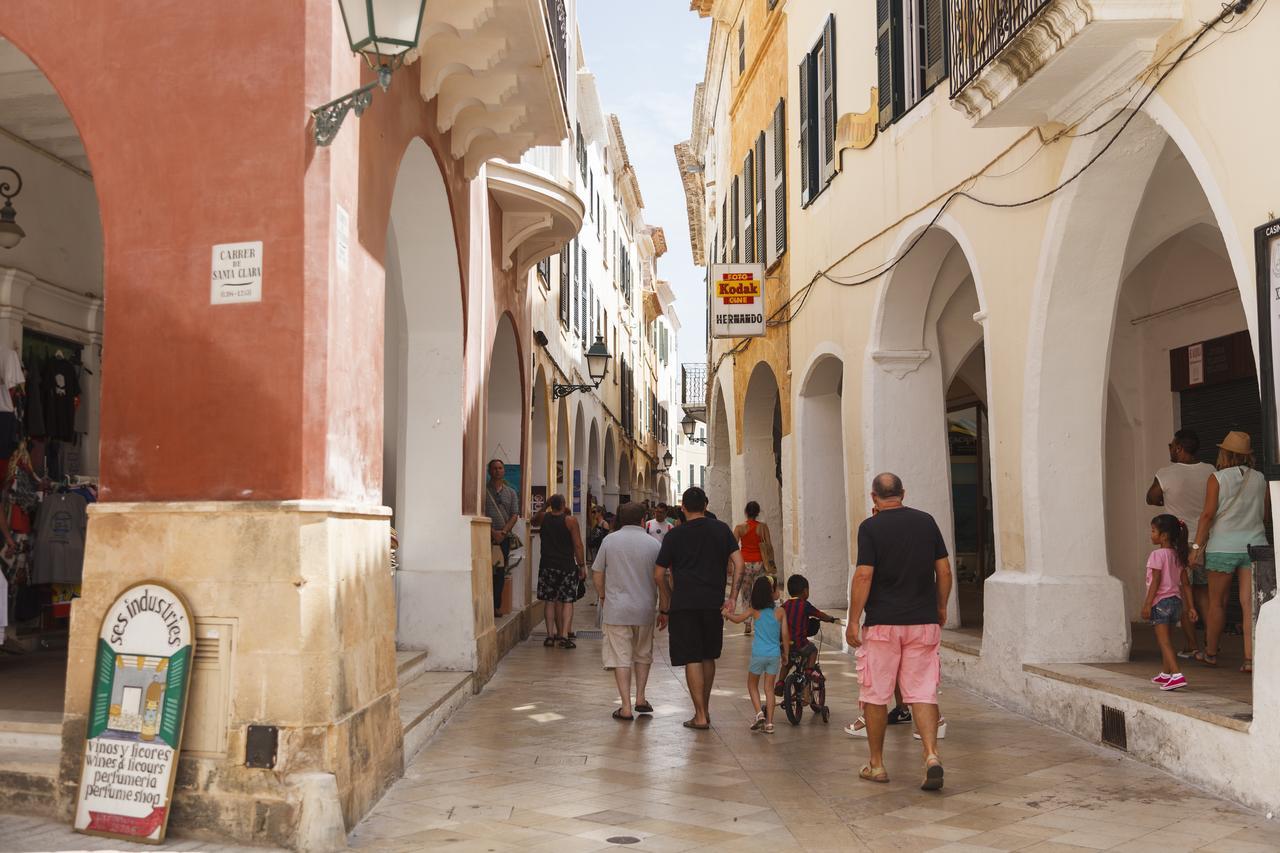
{"x": 1055, "y": 618}
{"x": 295, "y": 628}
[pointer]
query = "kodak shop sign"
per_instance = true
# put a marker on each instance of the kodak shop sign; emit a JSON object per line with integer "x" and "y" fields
{"x": 737, "y": 301}
{"x": 141, "y": 678}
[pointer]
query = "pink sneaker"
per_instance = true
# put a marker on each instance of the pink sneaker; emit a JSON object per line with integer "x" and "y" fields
{"x": 1162, "y": 679}
{"x": 1175, "y": 681}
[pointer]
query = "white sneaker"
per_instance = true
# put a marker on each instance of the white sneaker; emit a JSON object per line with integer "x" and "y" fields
{"x": 852, "y": 729}
{"x": 942, "y": 730}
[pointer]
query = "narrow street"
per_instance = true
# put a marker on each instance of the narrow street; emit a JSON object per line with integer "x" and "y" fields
{"x": 535, "y": 762}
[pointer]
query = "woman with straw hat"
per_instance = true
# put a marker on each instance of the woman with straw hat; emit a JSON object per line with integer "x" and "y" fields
{"x": 1236, "y": 502}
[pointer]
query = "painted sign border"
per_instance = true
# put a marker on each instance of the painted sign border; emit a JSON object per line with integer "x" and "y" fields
{"x": 182, "y": 718}
{"x": 739, "y": 330}
{"x": 1266, "y": 240}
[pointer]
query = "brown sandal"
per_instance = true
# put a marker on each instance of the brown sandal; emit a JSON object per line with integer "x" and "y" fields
{"x": 932, "y": 774}
{"x": 873, "y": 774}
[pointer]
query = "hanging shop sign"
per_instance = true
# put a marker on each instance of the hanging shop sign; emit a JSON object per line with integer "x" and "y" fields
{"x": 237, "y": 273}
{"x": 141, "y": 678}
{"x": 737, "y": 301}
{"x": 1267, "y": 251}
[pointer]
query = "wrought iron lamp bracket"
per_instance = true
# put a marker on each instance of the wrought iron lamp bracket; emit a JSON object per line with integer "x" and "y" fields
{"x": 558, "y": 391}
{"x": 330, "y": 116}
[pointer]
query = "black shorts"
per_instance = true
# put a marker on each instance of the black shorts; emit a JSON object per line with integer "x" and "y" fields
{"x": 696, "y": 635}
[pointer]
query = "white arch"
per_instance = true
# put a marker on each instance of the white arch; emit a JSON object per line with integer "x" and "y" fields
{"x": 822, "y": 506}
{"x": 721, "y": 450}
{"x": 423, "y": 415}
{"x": 761, "y": 415}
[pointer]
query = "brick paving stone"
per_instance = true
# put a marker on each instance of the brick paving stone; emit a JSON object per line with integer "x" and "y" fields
{"x": 535, "y": 763}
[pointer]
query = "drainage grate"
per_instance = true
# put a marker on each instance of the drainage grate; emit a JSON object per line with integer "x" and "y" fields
{"x": 1113, "y": 728}
{"x": 590, "y": 635}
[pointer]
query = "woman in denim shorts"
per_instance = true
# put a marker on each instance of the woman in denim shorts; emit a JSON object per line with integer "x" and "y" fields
{"x": 1236, "y": 502}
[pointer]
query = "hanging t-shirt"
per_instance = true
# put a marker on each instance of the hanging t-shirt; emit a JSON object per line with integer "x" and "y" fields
{"x": 10, "y": 377}
{"x": 35, "y": 403}
{"x": 60, "y": 387}
{"x": 59, "y": 547}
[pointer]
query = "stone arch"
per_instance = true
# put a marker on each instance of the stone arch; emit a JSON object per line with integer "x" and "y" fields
{"x": 762, "y": 454}
{"x": 720, "y": 454}
{"x": 595, "y": 480}
{"x": 610, "y": 471}
{"x": 423, "y": 383}
{"x": 823, "y": 508}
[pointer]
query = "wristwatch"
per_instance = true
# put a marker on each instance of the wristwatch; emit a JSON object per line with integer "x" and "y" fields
{"x": 1195, "y": 546}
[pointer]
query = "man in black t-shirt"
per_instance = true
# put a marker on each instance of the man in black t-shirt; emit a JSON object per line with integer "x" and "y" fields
{"x": 700, "y": 555}
{"x": 902, "y": 584}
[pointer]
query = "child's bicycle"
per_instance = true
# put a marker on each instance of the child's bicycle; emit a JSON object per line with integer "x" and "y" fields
{"x": 805, "y": 686}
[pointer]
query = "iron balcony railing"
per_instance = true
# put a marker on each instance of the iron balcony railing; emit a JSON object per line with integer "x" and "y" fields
{"x": 980, "y": 29}
{"x": 693, "y": 385}
{"x": 558, "y": 25}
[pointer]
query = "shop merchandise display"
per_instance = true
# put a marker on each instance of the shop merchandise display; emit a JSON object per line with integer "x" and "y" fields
{"x": 43, "y": 503}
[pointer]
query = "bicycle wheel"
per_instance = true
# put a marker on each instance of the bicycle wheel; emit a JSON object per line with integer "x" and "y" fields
{"x": 819, "y": 694}
{"x": 793, "y": 698}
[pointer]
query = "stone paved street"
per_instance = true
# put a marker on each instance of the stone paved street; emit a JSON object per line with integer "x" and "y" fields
{"x": 535, "y": 763}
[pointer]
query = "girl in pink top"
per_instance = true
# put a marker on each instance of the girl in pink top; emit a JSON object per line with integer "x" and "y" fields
{"x": 1167, "y": 589}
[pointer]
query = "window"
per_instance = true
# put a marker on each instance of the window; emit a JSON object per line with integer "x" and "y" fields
{"x": 724, "y": 231}
{"x": 564, "y": 287}
{"x": 911, "y": 53}
{"x": 776, "y": 178}
{"x": 691, "y": 480}
{"x": 742, "y": 47}
{"x": 577, "y": 278}
{"x": 733, "y": 234}
{"x": 585, "y": 307}
{"x": 818, "y": 114}
{"x": 749, "y": 208}
{"x": 544, "y": 272}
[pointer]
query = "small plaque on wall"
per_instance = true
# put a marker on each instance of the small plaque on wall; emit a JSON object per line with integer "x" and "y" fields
{"x": 237, "y": 273}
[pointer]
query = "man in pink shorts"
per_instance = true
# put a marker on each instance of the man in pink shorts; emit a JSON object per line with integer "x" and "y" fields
{"x": 902, "y": 584}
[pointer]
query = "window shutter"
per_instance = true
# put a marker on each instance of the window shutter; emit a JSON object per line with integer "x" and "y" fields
{"x": 564, "y": 287}
{"x": 736, "y": 220}
{"x": 806, "y": 123}
{"x": 585, "y": 307}
{"x": 749, "y": 209}
{"x": 779, "y": 241}
{"x": 828, "y": 80}
{"x": 577, "y": 272}
{"x": 762, "y": 194}
{"x": 889, "y": 59}
{"x": 935, "y": 42}
{"x": 742, "y": 47}
{"x": 724, "y": 231}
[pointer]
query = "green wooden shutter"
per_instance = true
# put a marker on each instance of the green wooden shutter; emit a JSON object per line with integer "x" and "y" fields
{"x": 736, "y": 220}
{"x": 935, "y": 42}
{"x": 762, "y": 195}
{"x": 564, "y": 287}
{"x": 828, "y": 106}
{"x": 889, "y": 59}
{"x": 806, "y": 186}
{"x": 780, "y": 180}
{"x": 749, "y": 208}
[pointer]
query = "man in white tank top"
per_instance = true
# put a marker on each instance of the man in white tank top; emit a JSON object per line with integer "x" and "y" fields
{"x": 1180, "y": 488}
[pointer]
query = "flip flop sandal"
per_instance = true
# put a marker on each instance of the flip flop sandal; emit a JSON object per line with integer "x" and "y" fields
{"x": 644, "y": 708}
{"x": 568, "y": 644}
{"x": 1209, "y": 660}
{"x": 873, "y": 774}
{"x": 549, "y": 642}
{"x": 618, "y": 715}
{"x": 573, "y": 635}
{"x": 932, "y": 776}
{"x": 690, "y": 724}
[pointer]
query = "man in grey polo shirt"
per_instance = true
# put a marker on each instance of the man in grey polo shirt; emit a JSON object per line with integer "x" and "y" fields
{"x": 623, "y": 577}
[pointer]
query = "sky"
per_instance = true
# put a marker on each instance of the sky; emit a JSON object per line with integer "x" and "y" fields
{"x": 647, "y": 58}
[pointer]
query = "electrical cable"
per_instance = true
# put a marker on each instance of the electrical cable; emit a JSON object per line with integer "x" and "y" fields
{"x": 1229, "y": 11}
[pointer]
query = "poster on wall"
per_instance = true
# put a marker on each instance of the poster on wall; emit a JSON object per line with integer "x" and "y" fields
{"x": 511, "y": 475}
{"x": 537, "y": 500}
{"x": 737, "y": 301}
{"x": 141, "y": 678}
{"x": 1267, "y": 251}
{"x": 577, "y": 491}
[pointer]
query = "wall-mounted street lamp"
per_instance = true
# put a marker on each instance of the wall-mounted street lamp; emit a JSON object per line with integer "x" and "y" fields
{"x": 597, "y": 365}
{"x": 382, "y": 31}
{"x": 667, "y": 459}
{"x": 689, "y": 425}
{"x": 11, "y": 232}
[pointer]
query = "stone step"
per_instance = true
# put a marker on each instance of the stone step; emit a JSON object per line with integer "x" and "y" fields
{"x": 29, "y": 781}
{"x": 427, "y": 702}
{"x": 409, "y": 665}
{"x": 31, "y": 730}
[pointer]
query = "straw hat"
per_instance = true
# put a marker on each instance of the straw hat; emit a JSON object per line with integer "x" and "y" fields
{"x": 1237, "y": 442}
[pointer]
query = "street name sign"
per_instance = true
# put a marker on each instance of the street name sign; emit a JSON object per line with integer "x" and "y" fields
{"x": 141, "y": 678}
{"x": 237, "y": 273}
{"x": 737, "y": 301}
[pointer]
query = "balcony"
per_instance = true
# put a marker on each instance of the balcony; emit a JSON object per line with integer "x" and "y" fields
{"x": 693, "y": 390}
{"x": 1019, "y": 63}
{"x": 539, "y": 214}
{"x": 496, "y": 69}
